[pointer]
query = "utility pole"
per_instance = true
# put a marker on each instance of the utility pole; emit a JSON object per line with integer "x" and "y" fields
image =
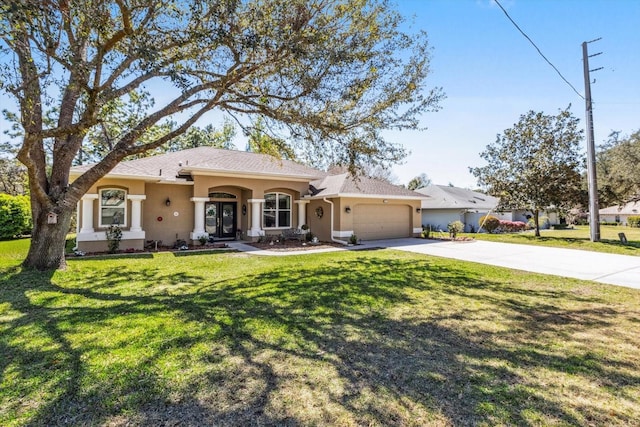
{"x": 594, "y": 214}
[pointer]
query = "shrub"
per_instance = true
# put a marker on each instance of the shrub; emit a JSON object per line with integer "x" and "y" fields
{"x": 454, "y": 228}
{"x": 15, "y": 216}
{"x": 114, "y": 236}
{"x": 511, "y": 226}
{"x": 489, "y": 223}
{"x": 613, "y": 223}
{"x": 634, "y": 221}
{"x": 353, "y": 239}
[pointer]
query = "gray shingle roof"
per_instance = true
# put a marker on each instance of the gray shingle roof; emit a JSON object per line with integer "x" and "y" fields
{"x": 446, "y": 197}
{"x": 167, "y": 167}
{"x": 345, "y": 185}
{"x": 631, "y": 208}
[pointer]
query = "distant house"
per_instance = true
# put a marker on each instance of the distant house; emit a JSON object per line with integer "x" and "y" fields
{"x": 446, "y": 204}
{"x": 228, "y": 194}
{"x": 620, "y": 213}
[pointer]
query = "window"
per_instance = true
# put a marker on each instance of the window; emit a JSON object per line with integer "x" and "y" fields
{"x": 222, "y": 196}
{"x": 277, "y": 210}
{"x": 113, "y": 207}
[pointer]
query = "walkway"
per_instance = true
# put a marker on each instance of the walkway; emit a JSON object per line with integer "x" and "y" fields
{"x": 621, "y": 270}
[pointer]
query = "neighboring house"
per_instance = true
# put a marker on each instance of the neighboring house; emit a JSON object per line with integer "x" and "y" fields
{"x": 620, "y": 213}
{"x": 447, "y": 204}
{"x": 228, "y": 194}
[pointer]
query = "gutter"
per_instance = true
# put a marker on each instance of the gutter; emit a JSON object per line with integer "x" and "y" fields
{"x": 332, "y": 239}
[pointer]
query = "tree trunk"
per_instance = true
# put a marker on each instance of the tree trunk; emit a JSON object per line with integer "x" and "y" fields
{"x": 536, "y": 220}
{"x": 48, "y": 241}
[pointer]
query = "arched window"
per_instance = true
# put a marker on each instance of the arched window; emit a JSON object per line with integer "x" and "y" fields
{"x": 113, "y": 207}
{"x": 277, "y": 211}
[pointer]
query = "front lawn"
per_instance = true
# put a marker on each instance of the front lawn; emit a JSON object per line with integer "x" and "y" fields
{"x": 347, "y": 338}
{"x": 575, "y": 238}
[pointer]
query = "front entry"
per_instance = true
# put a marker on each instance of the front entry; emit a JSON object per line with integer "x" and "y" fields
{"x": 220, "y": 219}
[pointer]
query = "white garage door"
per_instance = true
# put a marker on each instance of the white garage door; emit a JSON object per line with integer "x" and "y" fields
{"x": 372, "y": 222}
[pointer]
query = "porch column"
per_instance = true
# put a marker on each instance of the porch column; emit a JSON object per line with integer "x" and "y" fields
{"x": 302, "y": 212}
{"x": 136, "y": 211}
{"x": 87, "y": 213}
{"x": 255, "y": 229}
{"x": 198, "y": 217}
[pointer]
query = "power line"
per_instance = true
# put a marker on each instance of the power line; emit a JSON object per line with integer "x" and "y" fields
{"x": 538, "y": 49}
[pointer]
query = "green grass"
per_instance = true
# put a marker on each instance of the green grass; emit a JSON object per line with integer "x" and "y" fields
{"x": 576, "y": 238}
{"x": 348, "y": 338}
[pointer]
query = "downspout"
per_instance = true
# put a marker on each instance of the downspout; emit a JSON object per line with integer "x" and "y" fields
{"x": 332, "y": 239}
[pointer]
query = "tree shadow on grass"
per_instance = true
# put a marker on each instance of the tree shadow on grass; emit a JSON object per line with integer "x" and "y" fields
{"x": 331, "y": 331}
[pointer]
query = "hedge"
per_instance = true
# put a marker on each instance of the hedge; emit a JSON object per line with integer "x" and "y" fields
{"x": 15, "y": 216}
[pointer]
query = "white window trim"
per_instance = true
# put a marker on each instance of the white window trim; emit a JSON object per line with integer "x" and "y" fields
{"x": 126, "y": 203}
{"x": 277, "y": 210}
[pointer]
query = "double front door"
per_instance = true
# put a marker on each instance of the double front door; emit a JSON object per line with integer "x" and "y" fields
{"x": 220, "y": 219}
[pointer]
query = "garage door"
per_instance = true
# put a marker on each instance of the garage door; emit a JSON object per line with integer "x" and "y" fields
{"x": 372, "y": 222}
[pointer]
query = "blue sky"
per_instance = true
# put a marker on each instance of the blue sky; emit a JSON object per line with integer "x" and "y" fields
{"x": 492, "y": 74}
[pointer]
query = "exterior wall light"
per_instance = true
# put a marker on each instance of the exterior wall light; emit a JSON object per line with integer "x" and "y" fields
{"x": 347, "y": 209}
{"x": 168, "y": 202}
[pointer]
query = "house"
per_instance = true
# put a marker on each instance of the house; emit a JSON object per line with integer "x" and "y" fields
{"x": 229, "y": 194}
{"x": 620, "y": 213}
{"x": 446, "y": 204}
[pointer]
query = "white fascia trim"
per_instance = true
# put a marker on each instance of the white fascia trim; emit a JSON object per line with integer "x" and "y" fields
{"x": 99, "y": 236}
{"x": 147, "y": 178}
{"x": 254, "y": 175}
{"x": 366, "y": 196}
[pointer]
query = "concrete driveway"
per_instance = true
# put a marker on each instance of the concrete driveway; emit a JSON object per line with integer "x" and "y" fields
{"x": 622, "y": 270}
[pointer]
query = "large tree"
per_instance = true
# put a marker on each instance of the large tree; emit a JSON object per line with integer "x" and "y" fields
{"x": 329, "y": 74}
{"x": 535, "y": 165}
{"x": 618, "y": 166}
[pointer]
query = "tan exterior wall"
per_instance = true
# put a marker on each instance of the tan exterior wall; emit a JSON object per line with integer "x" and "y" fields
{"x": 176, "y": 221}
{"x": 168, "y": 223}
{"x": 320, "y": 227}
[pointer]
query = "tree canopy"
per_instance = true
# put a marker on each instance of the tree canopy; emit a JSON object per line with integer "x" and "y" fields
{"x": 618, "y": 166}
{"x": 536, "y": 164}
{"x": 329, "y": 75}
{"x": 419, "y": 181}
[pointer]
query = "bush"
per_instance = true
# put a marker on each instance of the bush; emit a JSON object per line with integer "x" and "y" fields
{"x": 15, "y": 216}
{"x": 454, "y": 228}
{"x": 511, "y": 226}
{"x": 114, "y": 236}
{"x": 489, "y": 223}
{"x": 633, "y": 221}
{"x": 613, "y": 223}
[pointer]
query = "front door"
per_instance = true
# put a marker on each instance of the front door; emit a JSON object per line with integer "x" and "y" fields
{"x": 220, "y": 219}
